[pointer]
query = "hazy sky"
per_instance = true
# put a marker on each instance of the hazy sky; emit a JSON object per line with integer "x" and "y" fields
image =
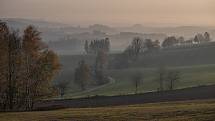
{"x": 114, "y": 12}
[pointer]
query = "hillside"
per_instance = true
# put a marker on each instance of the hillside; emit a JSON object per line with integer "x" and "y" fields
{"x": 193, "y": 93}
{"x": 195, "y": 55}
{"x": 196, "y": 66}
{"x": 69, "y": 40}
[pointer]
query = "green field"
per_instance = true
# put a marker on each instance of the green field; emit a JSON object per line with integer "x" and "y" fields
{"x": 199, "y": 110}
{"x": 196, "y": 67}
{"x": 189, "y": 76}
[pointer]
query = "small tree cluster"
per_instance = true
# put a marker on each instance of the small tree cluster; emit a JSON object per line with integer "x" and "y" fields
{"x": 169, "y": 41}
{"x": 93, "y": 47}
{"x": 27, "y": 68}
{"x": 199, "y": 38}
{"x": 84, "y": 74}
{"x": 132, "y": 52}
{"x": 167, "y": 78}
{"x": 139, "y": 46}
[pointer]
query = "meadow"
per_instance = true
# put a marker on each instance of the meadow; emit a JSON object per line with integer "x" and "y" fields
{"x": 196, "y": 66}
{"x": 198, "y": 110}
{"x": 190, "y": 76}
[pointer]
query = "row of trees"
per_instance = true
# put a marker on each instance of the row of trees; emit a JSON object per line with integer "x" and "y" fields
{"x": 138, "y": 46}
{"x": 132, "y": 52}
{"x": 166, "y": 79}
{"x": 173, "y": 41}
{"x": 95, "y": 46}
{"x": 27, "y": 67}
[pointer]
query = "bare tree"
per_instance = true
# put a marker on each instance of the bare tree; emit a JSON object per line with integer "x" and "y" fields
{"x": 136, "y": 80}
{"x": 82, "y": 75}
{"x": 137, "y": 45}
{"x": 172, "y": 78}
{"x": 161, "y": 77}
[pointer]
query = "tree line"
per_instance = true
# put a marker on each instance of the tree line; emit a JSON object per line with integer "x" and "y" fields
{"x": 138, "y": 47}
{"x": 198, "y": 39}
{"x": 27, "y": 67}
{"x": 95, "y": 46}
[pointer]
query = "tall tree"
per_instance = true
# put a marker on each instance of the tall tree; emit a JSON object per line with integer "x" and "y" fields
{"x": 100, "y": 67}
{"x": 14, "y": 45}
{"x": 137, "y": 45}
{"x": 82, "y": 75}
{"x": 161, "y": 77}
{"x": 27, "y": 68}
{"x": 41, "y": 65}
{"x": 4, "y": 39}
{"x": 207, "y": 37}
{"x": 86, "y": 47}
{"x": 137, "y": 79}
{"x": 172, "y": 77}
{"x": 199, "y": 38}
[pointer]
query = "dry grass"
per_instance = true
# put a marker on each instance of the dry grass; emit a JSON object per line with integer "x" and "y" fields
{"x": 200, "y": 110}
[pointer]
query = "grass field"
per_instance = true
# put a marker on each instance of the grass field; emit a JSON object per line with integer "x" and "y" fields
{"x": 199, "y": 110}
{"x": 196, "y": 67}
{"x": 189, "y": 76}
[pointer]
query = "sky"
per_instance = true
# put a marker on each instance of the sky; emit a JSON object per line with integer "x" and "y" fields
{"x": 114, "y": 12}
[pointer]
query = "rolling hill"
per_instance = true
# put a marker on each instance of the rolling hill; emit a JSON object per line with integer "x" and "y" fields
{"x": 196, "y": 66}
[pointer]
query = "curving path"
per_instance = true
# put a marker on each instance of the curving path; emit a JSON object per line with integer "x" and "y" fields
{"x": 111, "y": 81}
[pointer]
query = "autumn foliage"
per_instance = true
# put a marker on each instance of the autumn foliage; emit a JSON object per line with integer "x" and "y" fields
{"x": 27, "y": 68}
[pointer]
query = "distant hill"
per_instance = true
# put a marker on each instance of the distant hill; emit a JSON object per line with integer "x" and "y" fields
{"x": 186, "y": 31}
{"x": 56, "y": 34}
{"x": 50, "y": 31}
{"x": 22, "y": 23}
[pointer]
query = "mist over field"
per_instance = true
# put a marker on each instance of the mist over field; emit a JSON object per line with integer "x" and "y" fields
{"x": 69, "y": 40}
{"x": 107, "y": 60}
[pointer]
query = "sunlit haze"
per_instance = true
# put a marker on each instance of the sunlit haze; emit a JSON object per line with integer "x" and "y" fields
{"x": 113, "y": 12}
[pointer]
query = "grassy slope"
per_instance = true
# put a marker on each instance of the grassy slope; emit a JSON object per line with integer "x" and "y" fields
{"x": 197, "y": 67}
{"x": 190, "y": 76}
{"x": 200, "y": 110}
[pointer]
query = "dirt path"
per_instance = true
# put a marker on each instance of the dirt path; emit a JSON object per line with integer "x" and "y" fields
{"x": 111, "y": 81}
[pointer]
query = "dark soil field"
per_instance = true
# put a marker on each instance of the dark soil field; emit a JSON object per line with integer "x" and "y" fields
{"x": 194, "y": 93}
